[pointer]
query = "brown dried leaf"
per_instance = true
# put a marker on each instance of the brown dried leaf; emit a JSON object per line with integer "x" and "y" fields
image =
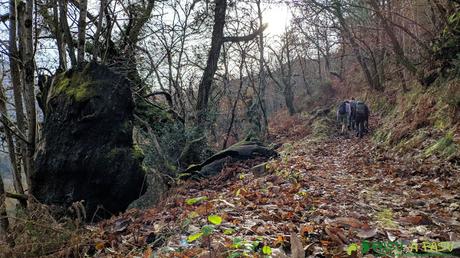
{"x": 352, "y": 222}
{"x": 367, "y": 233}
{"x": 416, "y": 220}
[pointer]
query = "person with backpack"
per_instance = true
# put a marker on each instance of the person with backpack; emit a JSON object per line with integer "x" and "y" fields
{"x": 361, "y": 118}
{"x": 343, "y": 112}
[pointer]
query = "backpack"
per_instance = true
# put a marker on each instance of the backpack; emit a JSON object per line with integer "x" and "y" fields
{"x": 353, "y": 107}
{"x": 342, "y": 108}
{"x": 361, "y": 109}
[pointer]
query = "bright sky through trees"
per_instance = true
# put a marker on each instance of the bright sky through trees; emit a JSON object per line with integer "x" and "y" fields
{"x": 278, "y": 17}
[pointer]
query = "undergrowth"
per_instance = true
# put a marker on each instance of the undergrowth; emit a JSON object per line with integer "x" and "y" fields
{"x": 423, "y": 121}
{"x": 35, "y": 233}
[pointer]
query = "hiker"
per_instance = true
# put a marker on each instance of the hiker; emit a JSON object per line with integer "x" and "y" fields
{"x": 361, "y": 118}
{"x": 342, "y": 114}
{"x": 351, "y": 118}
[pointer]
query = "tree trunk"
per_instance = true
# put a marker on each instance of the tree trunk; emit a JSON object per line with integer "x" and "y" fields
{"x": 355, "y": 48}
{"x": 303, "y": 67}
{"x": 289, "y": 99}
{"x": 204, "y": 87}
{"x": 127, "y": 48}
{"x": 28, "y": 71}
{"x": 96, "y": 44}
{"x": 66, "y": 31}
{"x": 399, "y": 51}
{"x": 59, "y": 38}
{"x": 4, "y": 224}
{"x": 235, "y": 103}
{"x": 17, "y": 178}
{"x": 288, "y": 93}
{"x": 262, "y": 79}
{"x": 319, "y": 64}
{"x": 16, "y": 81}
{"x": 217, "y": 39}
{"x": 81, "y": 32}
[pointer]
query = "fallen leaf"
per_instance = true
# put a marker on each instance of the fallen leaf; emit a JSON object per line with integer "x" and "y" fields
{"x": 100, "y": 245}
{"x": 194, "y": 237}
{"x": 390, "y": 236}
{"x": 266, "y": 250}
{"x": 147, "y": 253}
{"x": 120, "y": 225}
{"x": 215, "y": 219}
{"x": 279, "y": 240}
{"x": 336, "y": 235}
{"x": 416, "y": 220}
{"x": 367, "y": 233}
{"x": 307, "y": 230}
{"x": 352, "y": 222}
{"x": 193, "y": 201}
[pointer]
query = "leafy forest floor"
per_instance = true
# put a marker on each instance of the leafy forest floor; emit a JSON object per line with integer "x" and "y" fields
{"x": 325, "y": 193}
{"x": 321, "y": 196}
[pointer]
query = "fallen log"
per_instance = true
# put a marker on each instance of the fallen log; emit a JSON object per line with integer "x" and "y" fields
{"x": 243, "y": 150}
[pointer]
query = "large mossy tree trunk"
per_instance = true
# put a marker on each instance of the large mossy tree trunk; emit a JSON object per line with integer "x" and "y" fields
{"x": 87, "y": 150}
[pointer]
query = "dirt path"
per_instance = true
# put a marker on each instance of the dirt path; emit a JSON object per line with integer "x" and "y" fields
{"x": 365, "y": 194}
{"x": 329, "y": 194}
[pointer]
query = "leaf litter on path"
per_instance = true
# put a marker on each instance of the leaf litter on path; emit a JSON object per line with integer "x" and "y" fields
{"x": 318, "y": 198}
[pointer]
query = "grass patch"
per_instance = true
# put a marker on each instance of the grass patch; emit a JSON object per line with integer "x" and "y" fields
{"x": 444, "y": 147}
{"x": 385, "y": 218}
{"x": 413, "y": 142}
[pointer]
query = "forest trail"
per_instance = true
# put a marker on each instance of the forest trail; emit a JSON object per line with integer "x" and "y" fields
{"x": 329, "y": 193}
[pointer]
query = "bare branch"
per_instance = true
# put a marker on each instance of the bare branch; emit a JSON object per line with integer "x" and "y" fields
{"x": 246, "y": 37}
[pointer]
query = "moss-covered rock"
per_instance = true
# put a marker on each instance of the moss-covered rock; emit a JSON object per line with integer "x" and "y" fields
{"x": 87, "y": 151}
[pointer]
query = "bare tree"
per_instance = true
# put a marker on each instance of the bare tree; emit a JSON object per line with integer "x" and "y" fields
{"x": 243, "y": 53}
{"x": 217, "y": 40}
{"x": 337, "y": 9}
{"x": 283, "y": 73}
{"x": 399, "y": 51}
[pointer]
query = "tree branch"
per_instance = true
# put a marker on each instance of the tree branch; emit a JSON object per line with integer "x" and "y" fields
{"x": 164, "y": 93}
{"x": 245, "y": 38}
{"x": 20, "y": 197}
{"x": 4, "y": 17}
